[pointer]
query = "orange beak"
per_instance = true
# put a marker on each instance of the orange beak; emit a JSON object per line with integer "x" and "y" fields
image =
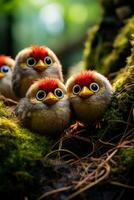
{"x": 40, "y": 66}
{"x": 85, "y": 92}
{"x": 50, "y": 99}
{"x": 1, "y": 75}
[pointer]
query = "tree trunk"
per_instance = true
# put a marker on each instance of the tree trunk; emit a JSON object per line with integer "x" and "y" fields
{"x": 6, "y": 34}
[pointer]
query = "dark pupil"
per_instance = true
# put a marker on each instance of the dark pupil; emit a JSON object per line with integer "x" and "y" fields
{"x": 48, "y": 61}
{"x": 41, "y": 95}
{"x": 58, "y": 93}
{"x": 5, "y": 69}
{"x": 31, "y": 61}
{"x": 94, "y": 87}
{"x": 76, "y": 89}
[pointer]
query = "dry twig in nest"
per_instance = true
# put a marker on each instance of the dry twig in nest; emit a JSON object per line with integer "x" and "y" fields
{"x": 92, "y": 170}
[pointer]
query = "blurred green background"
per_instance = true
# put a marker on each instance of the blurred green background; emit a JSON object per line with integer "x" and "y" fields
{"x": 59, "y": 24}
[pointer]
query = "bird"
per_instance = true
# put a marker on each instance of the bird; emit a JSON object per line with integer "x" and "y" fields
{"x": 32, "y": 63}
{"x": 45, "y": 109}
{"x": 6, "y": 71}
{"x": 89, "y": 93}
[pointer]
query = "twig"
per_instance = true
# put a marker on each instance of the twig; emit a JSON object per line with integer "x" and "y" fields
{"x": 61, "y": 150}
{"x": 90, "y": 184}
{"x": 122, "y": 185}
{"x": 53, "y": 192}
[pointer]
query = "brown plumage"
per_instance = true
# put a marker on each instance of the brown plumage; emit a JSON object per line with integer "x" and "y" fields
{"x": 33, "y": 63}
{"x": 6, "y": 70}
{"x": 45, "y": 109}
{"x": 89, "y": 93}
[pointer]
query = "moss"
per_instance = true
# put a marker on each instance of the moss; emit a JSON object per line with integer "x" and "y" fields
{"x": 124, "y": 170}
{"x": 117, "y": 115}
{"x": 121, "y": 48}
{"x": 124, "y": 87}
{"x": 130, "y": 59}
{"x": 99, "y": 44}
{"x": 88, "y": 54}
{"x": 3, "y": 111}
{"x": 20, "y": 151}
{"x": 127, "y": 157}
{"x": 108, "y": 44}
{"x": 97, "y": 47}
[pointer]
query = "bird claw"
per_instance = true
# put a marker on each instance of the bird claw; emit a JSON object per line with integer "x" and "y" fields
{"x": 77, "y": 125}
{"x": 74, "y": 128}
{"x": 98, "y": 125}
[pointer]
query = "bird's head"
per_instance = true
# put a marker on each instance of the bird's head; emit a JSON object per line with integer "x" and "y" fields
{"x": 88, "y": 85}
{"x": 38, "y": 58}
{"x": 6, "y": 66}
{"x": 47, "y": 91}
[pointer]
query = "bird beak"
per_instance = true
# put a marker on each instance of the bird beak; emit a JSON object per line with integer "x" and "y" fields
{"x": 1, "y": 75}
{"x": 40, "y": 66}
{"x": 85, "y": 92}
{"x": 50, "y": 98}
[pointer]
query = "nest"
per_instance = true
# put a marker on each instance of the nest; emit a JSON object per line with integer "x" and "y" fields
{"x": 98, "y": 167}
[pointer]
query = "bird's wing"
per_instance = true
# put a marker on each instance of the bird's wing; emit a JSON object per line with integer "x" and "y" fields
{"x": 22, "y": 109}
{"x": 16, "y": 83}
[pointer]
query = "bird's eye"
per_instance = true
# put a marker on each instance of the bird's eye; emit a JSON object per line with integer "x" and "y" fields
{"x": 76, "y": 89}
{"x": 31, "y": 62}
{"x": 48, "y": 60}
{"x": 94, "y": 87}
{"x": 5, "y": 69}
{"x": 59, "y": 93}
{"x": 40, "y": 95}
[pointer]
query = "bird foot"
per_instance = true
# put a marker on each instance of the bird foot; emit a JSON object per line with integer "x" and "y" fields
{"x": 98, "y": 125}
{"x": 74, "y": 128}
{"x": 77, "y": 125}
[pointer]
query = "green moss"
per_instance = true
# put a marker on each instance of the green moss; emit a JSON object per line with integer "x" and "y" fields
{"x": 99, "y": 44}
{"x": 121, "y": 48}
{"x": 108, "y": 45}
{"x": 124, "y": 87}
{"x": 88, "y": 54}
{"x": 130, "y": 59}
{"x": 97, "y": 47}
{"x": 124, "y": 76}
{"x": 127, "y": 157}
{"x": 117, "y": 114}
{"x": 20, "y": 151}
{"x": 3, "y": 110}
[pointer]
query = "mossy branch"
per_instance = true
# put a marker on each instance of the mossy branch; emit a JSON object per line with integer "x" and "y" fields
{"x": 20, "y": 151}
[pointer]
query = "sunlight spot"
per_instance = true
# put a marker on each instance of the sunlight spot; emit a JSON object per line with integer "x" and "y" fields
{"x": 52, "y": 18}
{"x": 38, "y": 2}
{"x": 78, "y": 13}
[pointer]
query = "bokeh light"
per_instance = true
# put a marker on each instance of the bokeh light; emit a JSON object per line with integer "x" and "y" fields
{"x": 52, "y": 18}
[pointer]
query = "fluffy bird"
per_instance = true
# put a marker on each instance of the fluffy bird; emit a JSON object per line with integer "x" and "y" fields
{"x": 33, "y": 63}
{"x": 6, "y": 70}
{"x": 45, "y": 109}
{"x": 89, "y": 93}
